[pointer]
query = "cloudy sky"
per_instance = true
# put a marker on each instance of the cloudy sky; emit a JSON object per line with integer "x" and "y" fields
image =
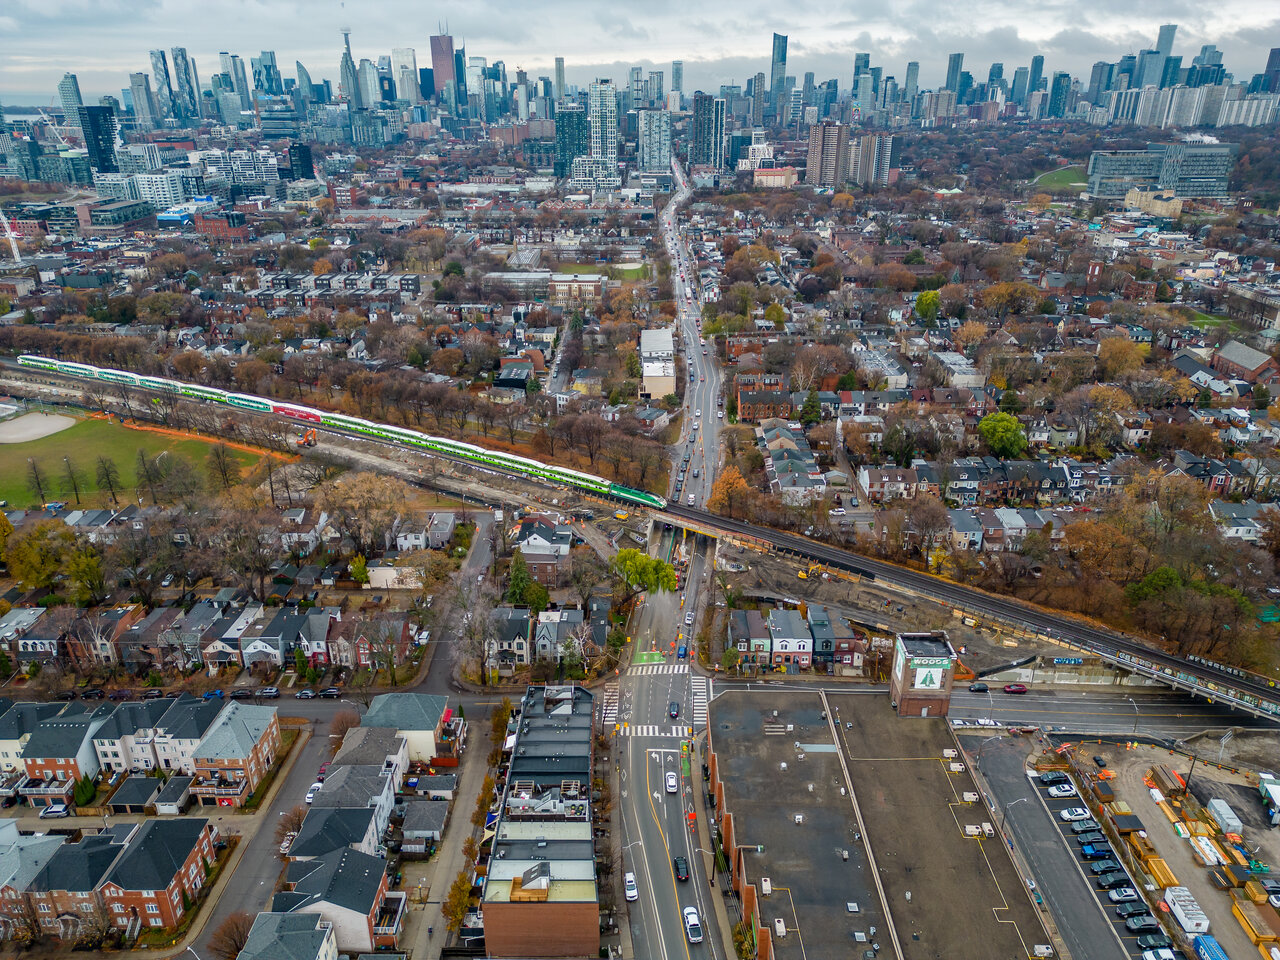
{"x": 720, "y": 41}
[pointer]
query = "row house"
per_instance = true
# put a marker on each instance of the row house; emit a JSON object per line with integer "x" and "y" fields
{"x": 1218, "y": 476}
{"x": 19, "y": 721}
{"x": 861, "y": 403}
{"x": 369, "y": 642}
{"x": 351, "y": 891}
{"x": 790, "y": 639}
{"x": 233, "y": 757}
{"x": 60, "y": 752}
{"x": 881, "y": 484}
{"x": 757, "y": 405}
{"x": 156, "y": 734}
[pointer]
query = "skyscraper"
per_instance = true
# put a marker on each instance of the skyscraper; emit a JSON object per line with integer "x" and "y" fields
{"x": 186, "y": 95}
{"x": 164, "y": 85}
{"x": 707, "y": 147}
{"x": 349, "y": 82}
{"x": 1018, "y": 92}
{"x": 266, "y": 74}
{"x": 573, "y": 136}
{"x": 861, "y": 64}
{"x": 98, "y": 124}
{"x": 677, "y": 76}
{"x": 1272, "y": 71}
{"x": 144, "y": 104}
{"x": 367, "y": 79}
{"x": 233, "y": 67}
{"x": 306, "y": 90}
{"x": 1036, "y": 76}
{"x": 655, "y": 140}
{"x": 1164, "y": 42}
{"x": 912, "y": 82}
{"x": 1059, "y": 92}
{"x": 559, "y": 92}
{"x": 778, "y": 75}
{"x": 602, "y": 111}
{"x": 404, "y": 71}
{"x": 69, "y": 94}
{"x": 828, "y": 154}
{"x": 758, "y": 97}
{"x": 955, "y": 63}
{"x": 442, "y": 69}
{"x": 301, "y": 166}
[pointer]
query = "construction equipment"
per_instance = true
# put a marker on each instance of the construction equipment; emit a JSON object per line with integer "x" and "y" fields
{"x": 308, "y": 438}
{"x": 814, "y": 568}
{"x": 12, "y": 238}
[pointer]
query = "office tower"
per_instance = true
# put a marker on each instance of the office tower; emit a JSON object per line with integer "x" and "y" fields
{"x": 1164, "y": 42}
{"x": 963, "y": 86}
{"x": 1150, "y": 69}
{"x": 144, "y": 104}
{"x": 861, "y": 64}
{"x": 573, "y": 136}
{"x": 306, "y": 90}
{"x": 404, "y": 71}
{"x": 69, "y": 94}
{"x": 864, "y": 95}
{"x": 700, "y": 145}
{"x": 367, "y": 80}
{"x": 778, "y": 71}
{"x": 301, "y": 166}
{"x": 186, "y": 95}
{"x": 266, "y": 74}
{"x": 1036, "y": 77}
{"x": 195, "y": 87}
{"x": 442, "y": 70}
{"x": 875, "y": 73}
{"x": 995, "y": 73}
{"x": 1059, "y": 91}
{"x": 677, "y": 76}
{"x": 1171, "y": 74}
{"x": 233, "y": 67}
{"x": 655, "y": 140}
{"x": 955, "y": 63}
{"x": 349, "y": 82}
{"x": 559, "y": 79}
{"x": 1188, "y": 169}
{"x": 827, "y": 162}
{"x": 602, "y": 112}
{"x": 1272, "y": 70}
{"x": 163, "y": 92}
{"x": 1018, "y": 92}
{"x": 460, "y": 80}
{"x": 98, "y": 124}
{"x": 913, "y": 81}
{"x": 1209, "y": 55}
{"x": 1099, "y": 81}
{"x": 657, "y": 81}
{"x": 758, "y": 98}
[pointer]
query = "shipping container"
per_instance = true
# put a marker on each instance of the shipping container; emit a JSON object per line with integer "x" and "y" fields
{"x": 1227, "y": 820}
{"x": 1186, "y": 910}
{"x": 1208, "y": 948}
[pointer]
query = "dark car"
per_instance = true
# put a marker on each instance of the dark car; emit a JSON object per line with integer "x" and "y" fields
{"x": 978, "y": 688}
{"x": 1096, "y": 851}
{"x": 1101, "y": 762}
{"x": 93, "y": 693}
{"x": 69, "y": 695}
{"x": 1053, "y": 777}
{"x": 681, "y": 866}
{"x": 1103, "y": 866}
{"x": 241, "y": 694}
{"x": 1154, "y": 941}
{"x": 331, "y": 693}
{"x": 1109, "y": 881}
{"x": 1015, "y": 688}
{"x": 121, "y": 695}
{"x": 1135, "y": 909}
{"x": 1144, "y": 924}
{"x": 1088, "y": 839}
{"x": 1084, "y": 826}
{"x": 155, "y": 693}
{"x": 673, "y": 709}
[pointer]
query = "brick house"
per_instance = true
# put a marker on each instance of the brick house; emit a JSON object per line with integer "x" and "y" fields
{"x": 888, "y": 483}
{"x": 757, "y": 405}
{"x": 350, "y": 890}
{"x": 60, "y": 752}
{"x": 1240, "y": 362}
{"x": 163, "y": 861}
{"x": 235, "y": 755}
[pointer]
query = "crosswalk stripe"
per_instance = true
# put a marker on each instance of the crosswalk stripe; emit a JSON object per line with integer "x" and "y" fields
{"x": 654, "y": 730}
{"x": 644, "y": 669}
{"x": 699, "y": 685}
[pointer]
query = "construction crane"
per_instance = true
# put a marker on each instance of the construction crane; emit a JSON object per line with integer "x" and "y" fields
{"x": 53, "y": 126}
{"x": 13, "y": 238}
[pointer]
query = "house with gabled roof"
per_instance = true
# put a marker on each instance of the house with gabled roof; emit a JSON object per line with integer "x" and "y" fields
{"x": 160, "y": 872}
{"x": 59, "y": 752}
{"x": 290, "y": 936}
{"x": 350, "y": 890}
{"x": 235, "y": 754}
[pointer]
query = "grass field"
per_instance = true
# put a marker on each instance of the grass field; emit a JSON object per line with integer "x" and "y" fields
{"x": 1206, "y": 320}
{"x": 1064, "y": 178}
{"x": 634, "y": 273}
{"x": 84, "y": 443}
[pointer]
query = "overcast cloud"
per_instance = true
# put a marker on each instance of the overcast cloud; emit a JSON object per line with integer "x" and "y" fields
{"x": 102, "y": 41}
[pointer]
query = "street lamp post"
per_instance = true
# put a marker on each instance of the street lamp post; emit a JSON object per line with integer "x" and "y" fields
{"x": 983, "y": 745}
{"x": 1133, "y": 703}
{"x": 1004, "y": 814}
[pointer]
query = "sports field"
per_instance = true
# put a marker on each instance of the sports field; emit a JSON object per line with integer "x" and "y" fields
{"x": 627, "y": 272}
{"x": 83, "y": 443}
{"x": 1064, "y": 178}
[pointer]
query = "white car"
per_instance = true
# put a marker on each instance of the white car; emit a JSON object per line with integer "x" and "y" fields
{"x": 720, "y": 414}
{"x": 1061, "y": 790}
{"x": 629, "y": 885}
{"x": 673, "y": 785}
{"x": 1072, "y": 814}
{"x": 838, "y": 512}
{"x": 1163, "y": 953}
{"x": 315, "y": 788}
{"x": 692, "y": 925}
{"x": 1123, "y": 895}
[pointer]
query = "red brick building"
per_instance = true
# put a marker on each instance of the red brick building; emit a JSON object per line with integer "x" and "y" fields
{"x": 235, "y": 755}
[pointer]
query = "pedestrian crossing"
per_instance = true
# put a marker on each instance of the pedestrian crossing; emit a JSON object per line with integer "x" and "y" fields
{"x": 700, "y": 687}
{"x": 609, "y": 708}
{"x": 644, "y": 669}
{"x": 655, "y": 730}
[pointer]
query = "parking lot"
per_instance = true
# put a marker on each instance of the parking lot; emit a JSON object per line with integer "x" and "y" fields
{"x": 952, "y": 895}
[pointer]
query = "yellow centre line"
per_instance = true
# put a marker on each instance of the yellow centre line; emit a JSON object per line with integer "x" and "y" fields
{"x": 675, "y": 891}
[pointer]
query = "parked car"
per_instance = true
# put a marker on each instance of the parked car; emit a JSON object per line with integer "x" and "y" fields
{"x": 315, "y": 788}
{"x": 629, "y": 885}
{"x": 121, "y": 695}
{"x": 1160, "y": 953}
{"x": 1085, "y": 826}
{"x": 1096, "y": 851}
{"x": 322, "y": 772}
{"x": 1015, "y": 688}
{"x": 213, "y": 694}
{"x": 1144, "y": 924}
{"x": 1073, "y": 813}
{"x": 1123, "y": 895}
{"x": 1117, "y": 878}
{"x": 681, "y": 867}
{"x": 1051, "y": 777}
{"x": 241, "y": 693}
{"x": 269, "y": 693}
{"x": 154, "y": 693}
{"x": 1103, "y": 866}
{"x": 305, "y": 695}
{"x": 1091, "y": 838}
{"x": 1153, "y": 941}
{"x": 55, "y": 811}
{"x": 331, "y": 693}
{"x": 68, "y": 695}
{"x": 1060, "y": 790}
{"x": 1133, "y": 909}
{"x": 1101, "y": 762}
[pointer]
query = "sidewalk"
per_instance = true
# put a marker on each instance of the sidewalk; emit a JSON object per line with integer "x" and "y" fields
{"x": 706, "y": 816}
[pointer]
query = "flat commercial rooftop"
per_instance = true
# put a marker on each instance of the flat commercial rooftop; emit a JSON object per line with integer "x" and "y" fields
{"x": 813, "y": 884}
{"x": 967, "y": 902}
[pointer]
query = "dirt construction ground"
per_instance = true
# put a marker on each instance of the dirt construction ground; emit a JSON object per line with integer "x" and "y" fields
{"x": 967, "y": 902}
{"x": 1207, "y": 782}
{"x": 33, "y": 426}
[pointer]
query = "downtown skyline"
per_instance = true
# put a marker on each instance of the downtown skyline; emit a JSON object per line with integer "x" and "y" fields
{"x": 103, "y": 54}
